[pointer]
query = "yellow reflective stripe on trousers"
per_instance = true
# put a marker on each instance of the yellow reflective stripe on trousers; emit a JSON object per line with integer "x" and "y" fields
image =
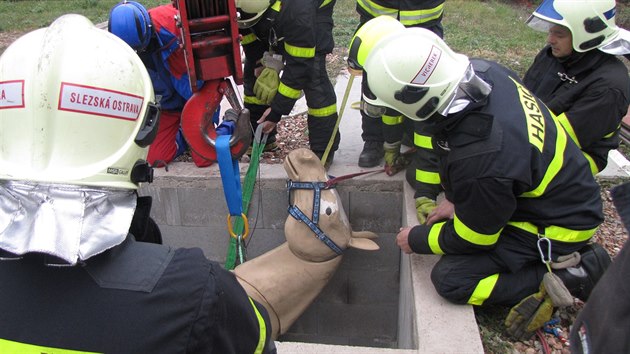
{"x": 377, "y": 10}
{"x": 11, "y": 347}
{"x": 248, "y": 39}
{"x": 289, "y": 92}
{"x": 427, "y": 177}
{"x": 391, "y": 120}
{"x": 423, "y": 141}
{"x": 324, "y": 111}
{"x": 472, "y": 236}
{"x": 564, "y": 121}
{"x": 253, "y": 100}
{"x": 434, "y": 235}
{"x": 483, "y": 290}
{"x": 554, "y": 166}
{"x": 299, "y": 52}
{"x": 556, "y": 233}
{"x": 276, "y": 6}
{"x": 262, "y": 327}
{"x": 414, "y": 17}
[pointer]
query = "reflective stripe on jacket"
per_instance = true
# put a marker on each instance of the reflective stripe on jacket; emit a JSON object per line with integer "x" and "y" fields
{"x": 510, "y": 162}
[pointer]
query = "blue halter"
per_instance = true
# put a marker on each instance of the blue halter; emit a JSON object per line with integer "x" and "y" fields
{"x": 317, "y": 187}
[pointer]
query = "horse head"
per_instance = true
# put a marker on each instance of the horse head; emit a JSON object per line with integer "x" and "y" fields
{"x": 305, "y": 170}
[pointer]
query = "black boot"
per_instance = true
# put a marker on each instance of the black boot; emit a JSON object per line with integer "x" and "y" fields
{"x": 372, "y": 154}
{"x": 581, "y": 279}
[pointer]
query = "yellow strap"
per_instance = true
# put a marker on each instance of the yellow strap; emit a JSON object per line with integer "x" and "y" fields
{"x": 556, "y": 233}
{"x": 11, "y": 347}
{"x": 299, "y": 52}
{"x": 473, "y": 236}
{"x": 483, "y": 290}
{"x": 262, "y": 328}
{"x": 434, "y": 236}
{"x": 427, "y": 177}
{"x": 289, "y": 92}
{"x": 324, "y": 111}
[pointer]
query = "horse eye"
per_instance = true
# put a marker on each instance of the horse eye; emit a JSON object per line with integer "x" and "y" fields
{"x": 328, "y": 211}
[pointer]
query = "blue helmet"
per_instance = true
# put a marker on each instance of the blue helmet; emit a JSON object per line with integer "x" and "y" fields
{"x": 130, "y": 21}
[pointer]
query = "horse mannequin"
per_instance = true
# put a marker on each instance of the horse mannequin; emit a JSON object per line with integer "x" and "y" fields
{"x": 288, "y": 278}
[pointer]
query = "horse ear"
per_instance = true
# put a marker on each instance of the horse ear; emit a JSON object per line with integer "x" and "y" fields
{"x": 363, "y": 244}
{"x": 364, "y": 234}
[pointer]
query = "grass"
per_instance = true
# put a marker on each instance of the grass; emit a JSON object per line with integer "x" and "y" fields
{"x": 26, "y": 15}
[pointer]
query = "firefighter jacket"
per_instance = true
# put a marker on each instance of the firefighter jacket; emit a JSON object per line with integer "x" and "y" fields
{"x": 165, "y": 61}
{"x": 589, "y": 93}
{"x": 511, "y": 166}
{"x": 410, "y": 13}
{"x": 134, "y": 298}
{"x": 299, "y": 30}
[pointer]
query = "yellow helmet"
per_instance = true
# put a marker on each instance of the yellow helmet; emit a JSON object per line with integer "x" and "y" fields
{"x": 76, "y": 107}
{"x": 413, "y": 72}
{"x": 250, "y": 11}
{"x": 367, "y": 36}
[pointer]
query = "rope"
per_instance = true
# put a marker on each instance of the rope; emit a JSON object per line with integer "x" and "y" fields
{"x": 341, "y": 109}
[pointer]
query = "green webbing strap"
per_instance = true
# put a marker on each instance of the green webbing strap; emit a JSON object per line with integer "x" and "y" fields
{"x": 236, "y": 245}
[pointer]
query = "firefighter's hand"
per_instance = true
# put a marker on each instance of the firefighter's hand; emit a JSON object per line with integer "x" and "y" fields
{"x": 402, "y": 240}
{"x": 268, "y": 126}
{"x": 529, "y": 315}
{"x": 266, "y": 85}
{"x": 424, "y": 206}
{"x": 394, "y": 160}
{"x": 445, "y": 210}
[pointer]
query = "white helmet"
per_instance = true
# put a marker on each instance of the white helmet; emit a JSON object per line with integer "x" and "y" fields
{"x": 591, "y": 22}
{"x": 413, "y": 72}
{"x": 367, "y": 36}
{"x": 76, "y": 107}
{"x": 250, "y": 11}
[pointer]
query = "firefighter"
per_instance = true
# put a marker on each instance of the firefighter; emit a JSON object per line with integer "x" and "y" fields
{"x": 578, "y": 76}
{"x": 153, "y": 34}
{"x": 383, "y": 135}
{"x": 285, "y": 47}
{"x": 518, "y": 190}
{"x": 78, "y": 112}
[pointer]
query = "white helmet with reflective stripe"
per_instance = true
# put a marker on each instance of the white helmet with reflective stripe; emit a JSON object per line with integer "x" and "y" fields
{"x": 413, "y": 72}
{"x": 591, "y": 22}
{"x": 76, "y": 107}
{"x": 250, "y": 11}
